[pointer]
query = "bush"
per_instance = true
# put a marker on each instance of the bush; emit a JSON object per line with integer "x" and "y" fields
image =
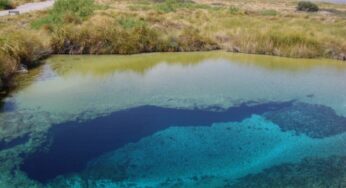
{"x": 6, "y": 4}
{"x": 307, "y": 6}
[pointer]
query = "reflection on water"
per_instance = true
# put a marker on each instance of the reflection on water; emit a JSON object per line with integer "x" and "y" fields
{"x": 173, "y": 119}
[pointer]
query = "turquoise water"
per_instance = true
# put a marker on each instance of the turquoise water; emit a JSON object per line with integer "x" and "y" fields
{"x": 212, "y": 119}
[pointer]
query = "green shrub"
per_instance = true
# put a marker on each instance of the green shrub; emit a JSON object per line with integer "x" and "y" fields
{"x": 6, "y": 4}
{"x": 307, "y": 6}
{"x": 67, "y": 11}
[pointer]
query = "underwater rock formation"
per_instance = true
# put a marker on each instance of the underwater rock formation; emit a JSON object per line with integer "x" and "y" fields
{"x": 310, "y": 172}
{"x": 316, "y": 121}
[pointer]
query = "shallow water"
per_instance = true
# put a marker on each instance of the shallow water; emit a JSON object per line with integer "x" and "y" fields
{"x": 175, "y": 120}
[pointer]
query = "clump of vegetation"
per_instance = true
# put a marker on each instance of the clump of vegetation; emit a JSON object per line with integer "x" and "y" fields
{"x": 21, "y": 47}
{"x": 307, "y": 6}
{"x": 67, "y": 11}
{"x": 278, "y": 43}
{"x": 6, "y": 4}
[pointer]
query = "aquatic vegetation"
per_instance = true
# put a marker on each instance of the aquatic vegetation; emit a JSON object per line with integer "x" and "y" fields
{"x": 313, "y": 120}
{"x": 310, "y": 172}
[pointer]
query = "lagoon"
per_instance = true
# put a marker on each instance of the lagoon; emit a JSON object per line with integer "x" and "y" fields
{"x": 174, "y": 119}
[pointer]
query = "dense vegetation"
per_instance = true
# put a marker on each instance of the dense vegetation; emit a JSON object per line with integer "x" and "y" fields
{"x": 127, "y": 27}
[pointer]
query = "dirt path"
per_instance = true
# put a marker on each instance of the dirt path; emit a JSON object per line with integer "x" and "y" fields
{"x": 30, "y": 7}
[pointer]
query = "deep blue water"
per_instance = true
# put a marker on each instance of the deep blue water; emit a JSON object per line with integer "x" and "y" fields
{"x": 73, "y": 144}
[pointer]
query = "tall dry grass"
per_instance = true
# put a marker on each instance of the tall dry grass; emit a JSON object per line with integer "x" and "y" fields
{"x": 20, "y": 48}
{"x": 124, "y": 37}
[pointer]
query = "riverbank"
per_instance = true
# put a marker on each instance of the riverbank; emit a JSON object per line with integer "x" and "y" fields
{"x": 128, "y": 27}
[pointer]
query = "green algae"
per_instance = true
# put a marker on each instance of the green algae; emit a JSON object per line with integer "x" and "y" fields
{"x": 108, "y": 64}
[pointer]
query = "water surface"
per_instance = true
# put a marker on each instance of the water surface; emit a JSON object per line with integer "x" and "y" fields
{"x": 174, "y": 119}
